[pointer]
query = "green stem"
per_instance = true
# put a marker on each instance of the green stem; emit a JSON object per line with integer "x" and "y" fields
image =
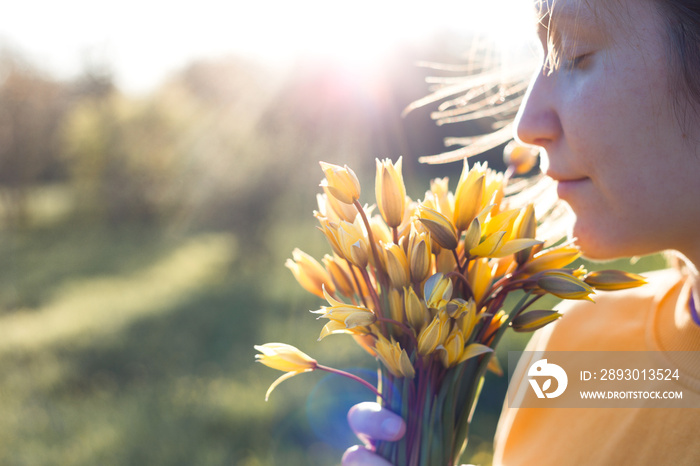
{"x": 350, "y": 376}
{"x": 370, "y": 235}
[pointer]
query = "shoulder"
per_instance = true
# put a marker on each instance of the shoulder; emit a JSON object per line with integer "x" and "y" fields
{"x": 615, "y": 321}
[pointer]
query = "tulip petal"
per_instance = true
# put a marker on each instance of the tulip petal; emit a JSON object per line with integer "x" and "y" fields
{"x": 473, "y": 350}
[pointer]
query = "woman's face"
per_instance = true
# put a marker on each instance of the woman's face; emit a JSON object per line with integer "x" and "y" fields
{"x": 623, "y": 161}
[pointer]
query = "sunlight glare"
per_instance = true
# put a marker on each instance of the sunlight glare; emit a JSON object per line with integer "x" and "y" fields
{"x": 143, "y": 41}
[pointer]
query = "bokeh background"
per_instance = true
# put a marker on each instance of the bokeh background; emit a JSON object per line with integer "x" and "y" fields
{"x": 158, "y": 164}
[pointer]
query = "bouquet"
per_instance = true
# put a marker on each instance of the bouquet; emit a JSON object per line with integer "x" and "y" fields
{"x": 421, "y": 286}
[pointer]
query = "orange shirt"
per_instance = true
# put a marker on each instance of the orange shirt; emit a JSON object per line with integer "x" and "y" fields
{"x": 654, "y": 317}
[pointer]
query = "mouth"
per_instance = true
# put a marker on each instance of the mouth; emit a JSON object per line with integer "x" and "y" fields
{"x": 566, "y": 187}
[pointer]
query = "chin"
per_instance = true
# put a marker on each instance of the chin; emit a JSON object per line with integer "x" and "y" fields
{"x": 599, "y": 244}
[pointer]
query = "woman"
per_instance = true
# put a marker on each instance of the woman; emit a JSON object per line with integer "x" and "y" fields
{"x": 616, "y": 111}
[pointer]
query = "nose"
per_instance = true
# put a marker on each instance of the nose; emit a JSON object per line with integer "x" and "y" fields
{"x": 537, "y": 122}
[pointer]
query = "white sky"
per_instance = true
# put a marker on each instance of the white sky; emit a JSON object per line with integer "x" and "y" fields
{"x": 143, "y": 40}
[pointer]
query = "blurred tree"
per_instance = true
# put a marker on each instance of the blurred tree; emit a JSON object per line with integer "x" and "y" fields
{"x": 124, "y": 155}
{"x": 31, "y": 109}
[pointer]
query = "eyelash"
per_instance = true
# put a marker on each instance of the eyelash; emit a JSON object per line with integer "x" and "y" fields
{"x": 577, "y": 62}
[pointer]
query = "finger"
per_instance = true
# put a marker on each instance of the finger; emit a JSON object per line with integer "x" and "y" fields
{"x": 360, "y": 456}
{"x": 370, "y": 420}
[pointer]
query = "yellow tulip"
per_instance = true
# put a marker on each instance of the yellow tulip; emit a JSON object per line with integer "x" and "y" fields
{"x": 341, "y": 182}
{"x": 419, "y": 255}
{"x": 443, "y": 199}
{"x": 468, "y": 320}
{"x": 525, "y": 227}
{"x": 610, "y": 280}
{"x": 521, "y": 157}
{"x": 396, "y": 306}
{"x": 416, "y": 310}
{"x": 489, "y": 246}
{"x": 394, "y": 357}
{"x": 452, "y": 349}
{"x": 434, "y": 334}
{"x": 309, "y": 273}
{"x": 553, "y": 258}
{"x": 380, "y": 231}
{"x": 339, "y": 274}
{"x": 472, "y": 236}
{"x": 285, "y": 358}
{"x": 479, "y": 275}
{"x": 444, "y": 261}
{"x": 437, "y": 291}
{"x": 353, "y": 243}
{"x": 496, "y": 322}
{"x": 502, "y": 221}
{"x": 441, "y": 228}
{"x": 390, "y": 192}
{"x": 397, "y": 265}
{"x": 474, "y": 350}
{"x": 468, "y": 197}
{"x": 350, "y": 316}
{"x": 335, "y": 209}
{"x": 495, "y": 367}
{"x": 330, "y": 231}
{"x": 493, "y": 189}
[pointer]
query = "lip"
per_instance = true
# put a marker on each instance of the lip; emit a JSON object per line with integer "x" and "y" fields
{"x": 566, "y": 187}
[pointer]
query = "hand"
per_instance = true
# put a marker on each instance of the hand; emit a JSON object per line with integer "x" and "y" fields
{"x": 370, "y": 421}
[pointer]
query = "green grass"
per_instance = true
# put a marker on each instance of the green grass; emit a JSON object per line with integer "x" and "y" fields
{"x": 122, "y": 347}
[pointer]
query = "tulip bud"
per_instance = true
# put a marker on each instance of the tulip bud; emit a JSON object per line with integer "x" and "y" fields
{"x": 564, "y": 286}
{"x": 521, "y": 157}
{"x": 419, "y": 255}
{"x": 467, "y": 321}
{"x": 489, "y": 246}
{"x": 396, "y": 307}
{"x": 437, "y": 291}
{"x": 285, "y": 358}
{"x": 525, "y": 227}
{"x": 394, "y": 358}
{"x": 610, "y": 280}
{"x": 441, "y": 228}
{"x": 452, "y": 349}
{"x": 390, "y": 192}
{"x": 397, "y": 266}
{"x": 353, "y": 243}
{"x": 416, "y": 310}
{"x": 533, "y": 320}
{"x": 554, "y": 258}
{"x": 480, "y": 278}
{"x": 309, "y": 273}
{"x": 473, "y": 235}
{"x": 339, "y": 210}
{"x": 405, "y": 366}
{"x": 339, "y": 275}
{"x": 468, "y": 198}
{"x": 342, "y": 183}
{"x": 434, "y": 334}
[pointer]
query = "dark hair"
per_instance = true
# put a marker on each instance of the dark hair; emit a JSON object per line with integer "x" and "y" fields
{"x": 683, "y": 27}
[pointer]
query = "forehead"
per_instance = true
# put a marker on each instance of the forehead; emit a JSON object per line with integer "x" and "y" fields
{"x": 601, "y": 15}
{"x": 585, "y": 11}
